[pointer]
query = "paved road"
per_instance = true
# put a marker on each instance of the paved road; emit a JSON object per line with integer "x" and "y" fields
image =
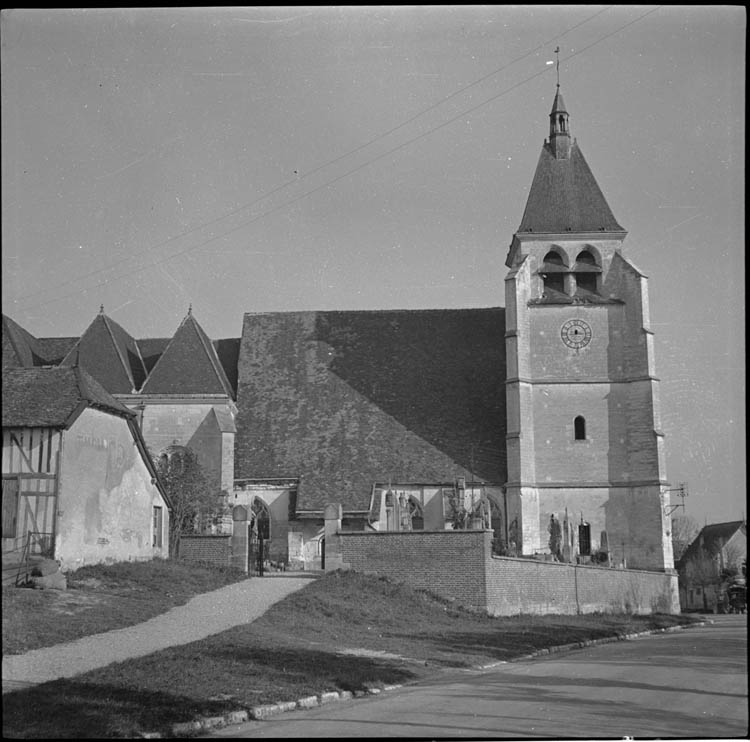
{"x": 688, "y": 684}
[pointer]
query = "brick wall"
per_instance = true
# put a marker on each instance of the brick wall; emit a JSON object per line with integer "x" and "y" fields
{"x": 213, "y": 549}
{"x": 458, "y": 565}
{"x": 449, "y": 563}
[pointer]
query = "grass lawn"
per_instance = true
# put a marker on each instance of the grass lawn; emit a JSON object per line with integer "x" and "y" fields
{"x": 345, "y": 631}
{"x": 101, "y": 598}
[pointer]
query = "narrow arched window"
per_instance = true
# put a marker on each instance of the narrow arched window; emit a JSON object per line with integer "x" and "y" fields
{"x": 579, "y": 425}
{"x": 416, "y": 515}
{"x": 262, "y": 518}
{"x": 586, "y": 277}
{"x": 553, "y": 279}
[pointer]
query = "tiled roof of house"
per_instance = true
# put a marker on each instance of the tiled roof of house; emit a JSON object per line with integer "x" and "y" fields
{"x": 109, "y": 354}
{"x": 20, "y": 347}
{"x": 712, "y": 537}
{"x": 565, "y": 197}
{"x": 346, "y": 399}
{"x": 188, "y": 365}
{"x": 53, "y": 397}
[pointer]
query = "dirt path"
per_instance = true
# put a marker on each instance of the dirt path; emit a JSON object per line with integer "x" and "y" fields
{"x": 204, "y": 615}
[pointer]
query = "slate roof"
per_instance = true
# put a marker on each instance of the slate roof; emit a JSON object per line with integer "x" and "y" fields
{"x": 151, "y": 350}
{"x": 55, "y": 349}
{"x": 110, "y": 354}
{"x": 53, "y": 397}
{"x": 345, "y": 399}
{"x": 20, "y": 348}
{"x": 565, "y": 197}
{"x": 712, "y": 538}
{"x": 188, "y": 365}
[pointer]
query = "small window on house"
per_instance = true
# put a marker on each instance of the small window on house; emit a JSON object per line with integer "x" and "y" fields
{"x": 158, "y": 527}
{"x": 579, "y": 424}
{"x": 584, "y": 539}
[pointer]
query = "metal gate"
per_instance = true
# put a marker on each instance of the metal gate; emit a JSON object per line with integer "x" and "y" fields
{"x": 255, "y": 552}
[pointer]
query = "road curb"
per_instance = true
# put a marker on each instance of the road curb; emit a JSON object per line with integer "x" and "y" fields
{"x": 264, "y": 711}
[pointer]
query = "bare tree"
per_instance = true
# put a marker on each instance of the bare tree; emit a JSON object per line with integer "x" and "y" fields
{"x": 188, "y": 490}
{"x": 684, "y": 531}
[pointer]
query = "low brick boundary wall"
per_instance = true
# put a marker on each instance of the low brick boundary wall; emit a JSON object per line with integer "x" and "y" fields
{"x": 449, "y": 563}
{"x": 459, "y": 565}
{"x": 212, "y": 549}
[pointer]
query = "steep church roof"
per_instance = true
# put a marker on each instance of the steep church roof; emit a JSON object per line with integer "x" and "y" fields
{"x": 110, "y": 354}
{"x": 20, "y": 347}
{"x": 564, "y": 195}
{"x": 188, "y": 365}
{"x": 343, "y": 399}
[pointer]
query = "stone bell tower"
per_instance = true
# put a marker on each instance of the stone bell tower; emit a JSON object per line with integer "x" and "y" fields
{"x": 584, "y": 439}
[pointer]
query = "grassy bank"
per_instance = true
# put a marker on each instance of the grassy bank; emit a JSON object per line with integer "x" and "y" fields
{"x": 342, "y": 632}
{"x": 101, "y": 598}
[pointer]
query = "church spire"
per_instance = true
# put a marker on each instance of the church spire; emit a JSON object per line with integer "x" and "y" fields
{"x": 559, "y": 132}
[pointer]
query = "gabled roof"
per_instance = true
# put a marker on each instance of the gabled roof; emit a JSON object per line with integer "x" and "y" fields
{"x": 20, "y": 347}
{"x": 713, "y": 537}
{"x": 345, "y": 399}
{"x": 53, "y": 397}
{"x": 110, "y": 354}
{"x": 565, "y": 197}
{"x": 188, "y": 365}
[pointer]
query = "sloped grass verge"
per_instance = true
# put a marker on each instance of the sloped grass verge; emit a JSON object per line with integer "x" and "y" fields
{"x": 343, "y": 632}
{"x": 101, "y": 598}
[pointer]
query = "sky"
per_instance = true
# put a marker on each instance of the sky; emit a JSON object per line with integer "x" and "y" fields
{"x": 265, "y": 159}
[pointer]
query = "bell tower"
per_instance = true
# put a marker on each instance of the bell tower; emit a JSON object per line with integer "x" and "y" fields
{"x": 584, "y": 439}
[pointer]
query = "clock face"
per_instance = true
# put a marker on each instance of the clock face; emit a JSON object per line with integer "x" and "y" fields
{"x": 576, "y": 333}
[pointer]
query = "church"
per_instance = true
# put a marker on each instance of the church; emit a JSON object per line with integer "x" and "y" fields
{"x": 539, "y": 421}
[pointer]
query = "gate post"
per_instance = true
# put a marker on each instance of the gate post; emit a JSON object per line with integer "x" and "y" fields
{"x": 240, "y": 541}
{"x": 332, "y": 518}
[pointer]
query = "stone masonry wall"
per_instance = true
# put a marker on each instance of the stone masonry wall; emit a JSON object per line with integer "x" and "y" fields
{"x": 516, "y": 586}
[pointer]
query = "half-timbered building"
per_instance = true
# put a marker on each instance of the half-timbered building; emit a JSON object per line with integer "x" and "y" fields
{"x": 77, "y": 483}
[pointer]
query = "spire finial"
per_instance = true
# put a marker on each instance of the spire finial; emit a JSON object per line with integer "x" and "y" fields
{"x": 557, "y": 53}
{"x": 101, "y": 309}
{"x": 190, "y": 309}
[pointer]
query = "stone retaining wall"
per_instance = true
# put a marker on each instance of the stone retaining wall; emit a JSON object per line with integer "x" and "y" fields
{"x": 458, "y": 565}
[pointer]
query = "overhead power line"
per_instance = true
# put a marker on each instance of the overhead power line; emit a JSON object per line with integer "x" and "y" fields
{"x": 338, "y": 178}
